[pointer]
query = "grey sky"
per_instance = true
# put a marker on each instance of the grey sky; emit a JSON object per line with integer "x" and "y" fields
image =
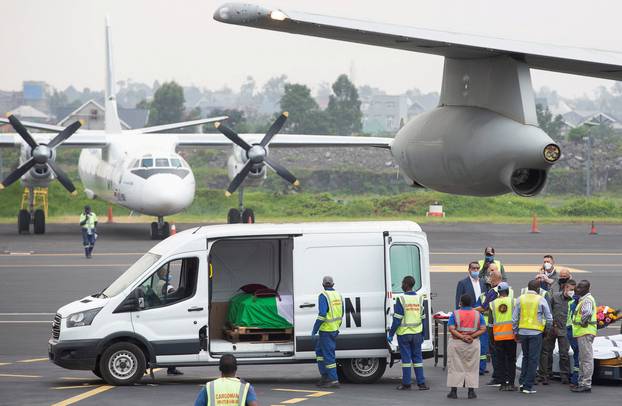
{"x": 62, "y": 41}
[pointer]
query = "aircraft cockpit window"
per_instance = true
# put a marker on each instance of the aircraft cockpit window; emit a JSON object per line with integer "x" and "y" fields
{"x": 175, "y": 163}
{"x": 147, "y": 162}
{"x": 161, "y": 162}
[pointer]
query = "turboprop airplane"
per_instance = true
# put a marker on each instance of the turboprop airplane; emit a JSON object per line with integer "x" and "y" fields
{"x": 483, "y": 138}
{"x": 140, "y": 169}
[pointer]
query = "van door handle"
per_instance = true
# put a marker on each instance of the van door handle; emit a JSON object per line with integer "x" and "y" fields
{"x": 302, "y": 306}
{"x": 195, "y": 309}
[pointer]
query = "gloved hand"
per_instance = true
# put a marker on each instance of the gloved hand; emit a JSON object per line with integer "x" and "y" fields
{"x": 389, "y": 338}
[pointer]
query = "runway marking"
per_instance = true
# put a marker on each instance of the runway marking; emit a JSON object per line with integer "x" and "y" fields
{"x": 19, "y": 376}
{"x": 25, "y": 321}
{"x": 310, "y": 394}
{"x": 5, "y": 363}
{"x": 33, "y": 360}
{"x": 71, "y": 254}
{"x": 86, "y": 385}
{"x": 64, "y": 265}
{"x": 509, "y": 268}
{"x": 294, "y": 400}
{"x": 82, "y": 396}
{"x": 578, "y": 254}
{"x": 27, "y": 314}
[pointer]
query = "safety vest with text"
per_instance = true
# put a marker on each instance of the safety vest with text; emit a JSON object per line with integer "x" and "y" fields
{"x": 482, "y": 299}
{"x": 577, "y": 329}
{"x": 412, "y": 321}
{"x": 467, "y": 321}
{"x": 226, "y": 392}
{"x": 502, "y": 309}
{"x": 529, "y": 304}
{"x": 334, "y": 315}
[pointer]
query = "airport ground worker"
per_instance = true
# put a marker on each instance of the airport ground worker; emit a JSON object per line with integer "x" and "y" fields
{"x": 584, "y": 330}
{"x": 530, "y": 319}
{"x": 572, "y": 305}
{"x": 465, "y": 325}
{"x": 489, "y": 258}
{"x": 502, "y": 309}
{"x": 330, "y": 315}
{"x": 227, "y": 390}
{"x": 88, "y": 222}
{"x": 408, "y": 318}
{"x": 557, "y": 334}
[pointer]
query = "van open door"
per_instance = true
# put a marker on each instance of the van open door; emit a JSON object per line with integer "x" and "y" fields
{"x": 407, "y": 254}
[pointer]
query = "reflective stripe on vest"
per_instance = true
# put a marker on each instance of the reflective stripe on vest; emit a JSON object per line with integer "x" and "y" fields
{"x": 541, "y": 292}
{"x": 577, "y": 329}
{"x": 226, "y": 392}
{"x": 412, "y": 320}
{"x": 502, "y": 309}
{"x": 467, "y": 321}
{"x": 334, "y": 315}
{"x": 529, "y": 304}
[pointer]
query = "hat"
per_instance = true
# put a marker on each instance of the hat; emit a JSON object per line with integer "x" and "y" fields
{"x": 503, "y": 286}
{"x": 327, "y": 281}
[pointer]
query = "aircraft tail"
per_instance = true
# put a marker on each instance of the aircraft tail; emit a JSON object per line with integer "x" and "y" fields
{"x": 112, "y": 123}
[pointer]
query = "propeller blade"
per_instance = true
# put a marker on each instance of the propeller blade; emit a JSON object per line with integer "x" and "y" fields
{"x": 21, "y": 130}
{"x": 66, "y": 133}
{"x": 274, "y": 128}
{"x": 229, "y": 133}
{"x": 62, "y": 177}
{"x": 18, "y": 173}
{"x": 282, "y": 172}
{"x": 239, "y": 178}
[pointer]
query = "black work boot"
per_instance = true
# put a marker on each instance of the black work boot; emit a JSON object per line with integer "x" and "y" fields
{"x": 453, "y": 393}
{"x": 471, "y": 394}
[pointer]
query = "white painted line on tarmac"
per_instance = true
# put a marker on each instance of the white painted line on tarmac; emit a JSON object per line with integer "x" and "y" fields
{"x": 19, "y": 376}
{"x": 25, "y": 321}
{"x": 34, "y": 360}
{"x": 27, "y": 314}
{"x": 91, "y": 265}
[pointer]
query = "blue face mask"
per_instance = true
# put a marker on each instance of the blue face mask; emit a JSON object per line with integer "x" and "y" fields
{"x": 475, "y": 274}
{"x": 169, "y": 277}
{"x": 490, "y": 258}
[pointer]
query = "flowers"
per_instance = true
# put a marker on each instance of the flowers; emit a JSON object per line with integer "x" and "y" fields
{"x": 606, "y": 315}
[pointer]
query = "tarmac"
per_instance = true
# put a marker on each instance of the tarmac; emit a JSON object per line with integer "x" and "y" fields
{"x": 40, "y": 273}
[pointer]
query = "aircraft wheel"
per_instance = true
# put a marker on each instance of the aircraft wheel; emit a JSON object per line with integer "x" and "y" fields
{"x": 39, "y": 222}
{"x": 23, "y": 222}
{"x": 248, "y": 216}
{"x": 154, "y": 231}
{"x": 234, "y": 216}
{"x": 166, "y": 230}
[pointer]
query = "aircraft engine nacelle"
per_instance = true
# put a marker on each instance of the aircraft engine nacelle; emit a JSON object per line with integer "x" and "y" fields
{"x": 474, "y": 151}
{"x": 237, "y": 160}
{"x": 39, "y": 175}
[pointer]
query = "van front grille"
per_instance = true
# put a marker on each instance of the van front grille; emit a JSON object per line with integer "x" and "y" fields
{"x": 56, "y": 327}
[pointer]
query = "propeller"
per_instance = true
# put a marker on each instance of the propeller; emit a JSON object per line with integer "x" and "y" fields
{"x": 41, "y": 154}
{"x": 257, "y": 154}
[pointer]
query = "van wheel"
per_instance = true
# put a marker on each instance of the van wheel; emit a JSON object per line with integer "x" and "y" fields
{"x": 122, "y": 364}
{"x": 97, "y": 372}
{"x": 364, "y": 370}
{"x": 342, "y": 378}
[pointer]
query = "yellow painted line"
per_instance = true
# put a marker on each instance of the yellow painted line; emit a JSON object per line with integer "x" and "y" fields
{"x": 19, "y": 376}
{"x": 5, "y": 363}
{"x": 86, "y": 385}
{"x": 319, "y": 394}
{"x": 509, "y": 268}
{"x": 91, "y": 265}
{"x": 313, "y": 393}
{"x": 293, "y": 400}
{"x": 578, "y": 254}
{"x": 34, "y": 360}
{"x": 83, "y": 396}
{"x": 77, "y": 378}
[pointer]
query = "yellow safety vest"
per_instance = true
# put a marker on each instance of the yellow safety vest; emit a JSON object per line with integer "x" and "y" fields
{"x": 542, "y": 292}
{"x": 90, "y": 220}
{"x": 226, "y": 392}
{"x": 529, "y": 304}
{"x": 482, "y": 298}
{"x": 577, "y": 329}
{"x": 412, "y": 321}
{"x": 498, "y": 263}
{"x": 569, "y": 317}
{"x": 332, "y": 321}
{"x": 502, "y": 309}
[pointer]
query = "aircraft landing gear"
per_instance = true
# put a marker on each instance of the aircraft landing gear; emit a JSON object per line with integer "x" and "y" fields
{"x": 160, "y": 229}
{"x": 39, "y": 222}
{"x": 23, "y": 222}
{"x": 31, "y": 198}
{"x": 240, "y": 215}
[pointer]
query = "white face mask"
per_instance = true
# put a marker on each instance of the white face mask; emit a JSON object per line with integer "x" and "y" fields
{"x": 548, "y": 266}
{"x": 570, "y": 293}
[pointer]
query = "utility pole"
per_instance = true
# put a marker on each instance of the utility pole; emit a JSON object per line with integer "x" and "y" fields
{"x": 588, "y": 163}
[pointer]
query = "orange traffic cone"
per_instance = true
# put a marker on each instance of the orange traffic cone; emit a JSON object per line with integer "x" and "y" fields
{"x": 110, "y": 214}
{"x": 593, "y": 230}
{"x": 173, "y": 230}
{"x": 534, "y": 225}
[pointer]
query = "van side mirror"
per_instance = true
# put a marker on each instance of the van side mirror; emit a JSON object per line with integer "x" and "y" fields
{"x": 134, "y": 302}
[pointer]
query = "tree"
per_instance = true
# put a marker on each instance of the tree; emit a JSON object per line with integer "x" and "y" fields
{"x": 167, "y": 105}
{"x": 344, "y": 107}
{"x": 193, "y": 114}
{"x": 271, "y": 94}
{"x": 305, "y": 116}
{"x": 549, "y": 124}
{"x": 236, "y": 121}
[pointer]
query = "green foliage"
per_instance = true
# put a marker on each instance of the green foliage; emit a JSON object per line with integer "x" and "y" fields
{"x": 597, "y": 207}
{"x": 577, "y": 133}
{"x": 168, "y": 105}
{"x": 549, "y": 124}
{"x": 344, "y": 107}
{"x": 305, "y": 116}
{"x": 236, "y": 121}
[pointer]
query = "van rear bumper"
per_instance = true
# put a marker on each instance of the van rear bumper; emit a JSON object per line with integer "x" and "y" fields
{"x": 74, "y": 354}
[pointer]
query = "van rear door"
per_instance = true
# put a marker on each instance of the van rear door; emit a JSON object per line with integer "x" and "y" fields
{"x": 407, "y": 254}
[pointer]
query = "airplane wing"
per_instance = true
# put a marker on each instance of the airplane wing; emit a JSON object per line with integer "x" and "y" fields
{"x": 174, "y": 126}
{"x": 77, "y": 140}
{"x": 580, "y": 61}
{"x": 37, "y": 126}
{"x": 284, "y": 140}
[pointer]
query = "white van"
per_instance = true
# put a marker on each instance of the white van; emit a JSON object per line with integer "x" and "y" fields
{"x": 134, "y": 324}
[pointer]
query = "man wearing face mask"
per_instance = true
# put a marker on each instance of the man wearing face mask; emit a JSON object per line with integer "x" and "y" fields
{"x": 584, "y": 330}
{"x": 572, "y": 306}
{"x": 547, "y": 275}
{"x": 489, "y": 258}
{"x": 564, "y": 276}
{"x": 559, "y": 308}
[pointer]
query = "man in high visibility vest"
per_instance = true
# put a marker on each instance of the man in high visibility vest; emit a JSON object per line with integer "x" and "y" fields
{"x": 408, "y": 318}
{"x": 572, "y": 306}
{"x": 530, "y": 318}
{"x": 330, "y": 315}
{"x": 489, "y": 258}
{"x": 227, "y": 390}
{"x": 503, "y": 335}
{"x": 584, "y": 330}
{"x": 88, "y": 222}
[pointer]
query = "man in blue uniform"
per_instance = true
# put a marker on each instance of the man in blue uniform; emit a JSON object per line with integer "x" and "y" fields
{"x": 408, "y": 318}
{"x": 330, "y": 315}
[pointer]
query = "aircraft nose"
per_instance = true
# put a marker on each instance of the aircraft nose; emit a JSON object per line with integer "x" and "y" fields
{"x": 166, "y": 194}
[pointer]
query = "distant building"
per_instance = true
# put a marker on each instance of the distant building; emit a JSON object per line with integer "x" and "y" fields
{"x": 92, "y": 115}
{"x": 29, "y": 113}
{"x": 577, "y": 118}
{"x": 35, "y": 94}
{"x": 385, "y": 113}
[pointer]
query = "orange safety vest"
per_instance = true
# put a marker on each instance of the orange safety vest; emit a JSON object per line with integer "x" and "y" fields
{"x": 467, "y": 321}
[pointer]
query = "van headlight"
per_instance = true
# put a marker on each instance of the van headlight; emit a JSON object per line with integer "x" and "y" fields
{"x": 84, "y": 318}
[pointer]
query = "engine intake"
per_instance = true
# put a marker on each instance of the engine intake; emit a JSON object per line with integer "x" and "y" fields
{"x": 528, "y": 182}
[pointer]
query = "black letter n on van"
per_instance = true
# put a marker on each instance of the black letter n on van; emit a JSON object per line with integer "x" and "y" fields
{"x": 351, "y": 311}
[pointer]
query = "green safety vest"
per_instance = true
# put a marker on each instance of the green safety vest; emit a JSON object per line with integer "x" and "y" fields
{"x": 498, "y": 263}
{"x": 543, "y": 292}
{"x": 577, "y": 329}
{"x": 332, "y": 321}
{"x": 226, "y": 392}
{"x": 502, "y": 310}
{"x": 569, "y": 317}
{"x": 412, "y": 321}
{"x": 529, "y": 304}
{"x": 90, "y": 221}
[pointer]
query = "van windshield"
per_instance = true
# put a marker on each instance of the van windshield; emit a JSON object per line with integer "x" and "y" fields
{"x": 132, "y": 273}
